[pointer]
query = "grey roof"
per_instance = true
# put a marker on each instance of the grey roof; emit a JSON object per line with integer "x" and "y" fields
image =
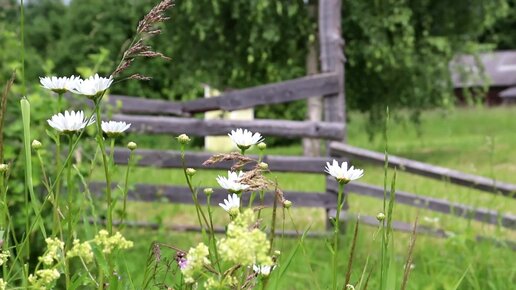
{"x": 508, "y": 93}
{"x": 497, "y": 68}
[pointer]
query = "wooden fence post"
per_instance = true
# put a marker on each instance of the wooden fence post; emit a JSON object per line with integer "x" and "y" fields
{"x": 332, "y": 60}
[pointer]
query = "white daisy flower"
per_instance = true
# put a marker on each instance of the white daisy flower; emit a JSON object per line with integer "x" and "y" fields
{"x": 244, "y": 138}
{"x": 114, "y": 128}
{"x": 232, "y": 204}
{"x": 93, "y": 86}
{"x": 70, "y": 122}
{"x": 263, "y": 270}
{"x": 342, "y": 173}
{"x": 232, "y": 182}
{"x": 59, "y": 84}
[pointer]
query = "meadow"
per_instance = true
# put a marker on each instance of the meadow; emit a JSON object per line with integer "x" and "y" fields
{"x": 475, "y": 140}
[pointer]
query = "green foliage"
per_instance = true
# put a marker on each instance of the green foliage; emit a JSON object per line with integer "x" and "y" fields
{"x": 398, "y": 51}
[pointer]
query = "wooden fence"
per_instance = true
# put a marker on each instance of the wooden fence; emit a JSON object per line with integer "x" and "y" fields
{"x": 165, "y": 117}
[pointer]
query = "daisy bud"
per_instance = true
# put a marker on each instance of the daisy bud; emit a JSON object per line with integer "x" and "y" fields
{"x": 350, "y": 287}
{"x": 380, "y": 216}
{"x": 262, "y": 146}
{"x": 287, "y": 204}
{"x": 36, "y": 145}
{"x": 208, "y": 191}
{"x": 183, "y": 139}
{"x": 263, "y": 166}
{"x": 190, "y": 172}
{"x": 4, "y": 167}
{"x": 132, "y": 146}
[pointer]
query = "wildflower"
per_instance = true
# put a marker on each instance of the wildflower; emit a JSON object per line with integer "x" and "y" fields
{"x": 54, "y": 251}
{"x": 262, "y": 146}
{"x": 4, "y": 255}
{"x": 93, "y": 87}
{"x": 114, "y": 129}
{"x": 59, "y": 85}
{"x": 380, "y": 216}
{"x": 350, "y": 287}
{"x": 342, "y": 173}
{"x": 43, "y": 278}
{"x": 181, "y": 260}
{"x": 228, "y": 282}
{"x": 287, "y": 204}
{"x": 190, "y": 172}
{"x": 183, "y": 139}
{"x": 263, "y": 270}
{"x": 3, "y": 284}
{"x": 232, "y": 183}
{"x": 263, "y": 166}
{"x": 231, "y": 205}
{"x": 4, "y": 167}
{"x": 208, "y": 191}
{"x": 244, "y": 244}
{"x": 116, "y": 241}
{"x": 36, "y": 145}
{"x": 196, "y": 259}
{"x": 132, "y": 146}
{"x": 81, "y": 250}
{"x": 70, "y": 122}
{"x": 244, "y": 138}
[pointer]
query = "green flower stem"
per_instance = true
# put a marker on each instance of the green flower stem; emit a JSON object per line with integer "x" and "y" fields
{"x": 70, "y": 191}
{"x": 3, "y": 220}
{"x": 126, "y": 186}
{"x": 51, "y": 195}
{"x": 336, "y": 233}
{"x": 262, "y": 202}
{"x": 213, "y": 239}
{"x": 105, "y": 161}
{"x": 194, "y": 193}
{"x": 58, "y": 186}
{"x": 112, "y": 151}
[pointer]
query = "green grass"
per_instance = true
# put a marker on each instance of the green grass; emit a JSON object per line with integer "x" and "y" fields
{"x": 479, "y": 141}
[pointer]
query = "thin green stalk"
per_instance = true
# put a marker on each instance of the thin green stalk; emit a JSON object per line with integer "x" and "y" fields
{"x": 100, "y": 141}
{"x": 112, "y": 151}
{"x": 385, "y": 170}
{"x": 213, "y": 239}
{"x": 262, "y": 202}
{"x": 3, "y": 220}
{"x": 336, "y": 233}
{"x": 22, "y": 42}
{"x": 273, "y": 221}
{"x": 70, "y": 212}
{"x": 58, "y": 185}
{"x": 52, "y": 195}
{"x": 126, "y": 186}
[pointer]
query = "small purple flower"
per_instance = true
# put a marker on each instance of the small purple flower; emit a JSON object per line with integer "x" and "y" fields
{"x": 181, "y": 260}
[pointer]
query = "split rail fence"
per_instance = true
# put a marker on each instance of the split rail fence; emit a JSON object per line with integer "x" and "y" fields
{"x": 166, "y": 117}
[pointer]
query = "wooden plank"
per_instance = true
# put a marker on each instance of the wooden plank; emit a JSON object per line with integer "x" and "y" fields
{"x": 197, "y": 229}
{"x": 139, "y": 105}
{"x": 282, "y": 92}
{"x": 199, "y": 127}
{"x": 180, "y": 194}
{"x": 172, "y": 159}
{"x": 424, "y": 169}
{"x": 332, "y": 57}
{"x": 438, "y": 205}
{"x": 396, "y": 225}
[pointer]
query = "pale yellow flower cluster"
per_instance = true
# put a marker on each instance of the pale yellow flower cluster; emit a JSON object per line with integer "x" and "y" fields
{"x": 227, "y": 283}
{"x": 4, "y": 255}
{"x": 195, "y": 260}
{"x": 3, "y": 284}
{"x": 110, "y": 243}
{"x": 81, "y": 250}
{"x": 54, "y": 250}
{"x": 43, "y": 278}
{"x": 244, "y": 245}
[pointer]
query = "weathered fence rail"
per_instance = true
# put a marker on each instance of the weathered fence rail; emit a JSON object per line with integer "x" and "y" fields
{"x": 434, "y": 204}
{"x": 181, "y": 194}
{"x": 172, "y": 159}
{"x": 199, "y": 127}
{"x": 424, "y": 169}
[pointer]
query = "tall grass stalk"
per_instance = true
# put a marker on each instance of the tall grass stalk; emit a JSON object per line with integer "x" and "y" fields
{"x": 336, "y": 233}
